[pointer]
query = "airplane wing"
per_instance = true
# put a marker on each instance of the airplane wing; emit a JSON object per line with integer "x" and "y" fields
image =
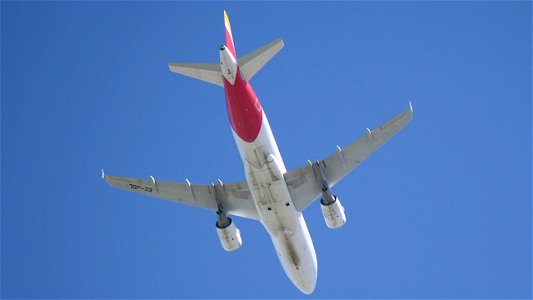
{"x": 305, "y": 183}
{"x": 236, "y": 197}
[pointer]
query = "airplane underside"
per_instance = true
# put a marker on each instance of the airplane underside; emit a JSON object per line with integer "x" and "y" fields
{"x": 271, "y": 194}
{"x": 285, "y": 225}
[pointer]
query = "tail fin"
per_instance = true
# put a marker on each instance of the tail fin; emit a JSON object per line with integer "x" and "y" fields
{"x": 254, "y": 61}
{"x": 249, "y": 65}
{"x": 229, "y": 36}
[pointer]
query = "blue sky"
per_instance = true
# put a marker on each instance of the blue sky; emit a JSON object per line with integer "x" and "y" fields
{"x": 443, "y": 210}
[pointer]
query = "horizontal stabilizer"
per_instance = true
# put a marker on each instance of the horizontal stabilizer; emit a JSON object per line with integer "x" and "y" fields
{"x": 250, "y": 64}
{"x": 206, "y": 72}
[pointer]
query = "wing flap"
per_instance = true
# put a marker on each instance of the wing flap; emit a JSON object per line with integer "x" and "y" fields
{"x": 304, "y": 186}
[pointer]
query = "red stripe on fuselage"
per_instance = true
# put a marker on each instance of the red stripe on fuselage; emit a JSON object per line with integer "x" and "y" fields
{"x": 244, "y": 110}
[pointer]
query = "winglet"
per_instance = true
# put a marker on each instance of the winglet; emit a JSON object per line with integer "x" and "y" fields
{"x": 229, "y": 35}
{"x": 103, "y": 174}
{"x": 410, "y": 106}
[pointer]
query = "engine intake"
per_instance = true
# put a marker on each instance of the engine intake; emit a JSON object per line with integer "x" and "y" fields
{"x": 333, "y": 213}
{"x": 229, "y": 234}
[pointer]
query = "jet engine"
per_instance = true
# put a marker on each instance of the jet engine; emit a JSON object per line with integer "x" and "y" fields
{"x": 228, "y": 233}
{"x": 333, "y": 211}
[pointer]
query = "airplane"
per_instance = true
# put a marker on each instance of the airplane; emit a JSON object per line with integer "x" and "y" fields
{"x": 271, "y": 194}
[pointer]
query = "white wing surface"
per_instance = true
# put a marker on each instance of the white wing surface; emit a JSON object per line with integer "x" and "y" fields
{"x": 305, "y": 183}
{"x": 236, "y": 197}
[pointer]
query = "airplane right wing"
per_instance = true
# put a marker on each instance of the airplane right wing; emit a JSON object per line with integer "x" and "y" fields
{"x": 235, "y": 198}
{"x": 305, "y": 183}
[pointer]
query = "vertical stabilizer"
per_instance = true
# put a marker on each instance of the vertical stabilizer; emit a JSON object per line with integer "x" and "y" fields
{"x": 229, "y": 36}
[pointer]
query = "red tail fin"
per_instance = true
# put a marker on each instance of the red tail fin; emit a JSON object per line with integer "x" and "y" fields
{"x": 229, "y": 36}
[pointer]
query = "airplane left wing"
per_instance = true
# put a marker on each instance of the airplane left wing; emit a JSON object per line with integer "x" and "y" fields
{"x": 305, "y": 183}
{"x": 235, "y": 198}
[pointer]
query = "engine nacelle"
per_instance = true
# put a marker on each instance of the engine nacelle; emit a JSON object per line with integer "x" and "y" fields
{"x": 333, "y": 213}
{"x": 230, "y": 236}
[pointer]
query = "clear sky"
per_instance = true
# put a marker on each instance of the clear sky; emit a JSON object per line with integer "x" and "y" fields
{"x": 442, "y": 210}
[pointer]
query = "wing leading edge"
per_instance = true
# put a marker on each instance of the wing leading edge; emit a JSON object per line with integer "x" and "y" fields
{"x": 236, "y": 197}
{"x": 305, "y": 183}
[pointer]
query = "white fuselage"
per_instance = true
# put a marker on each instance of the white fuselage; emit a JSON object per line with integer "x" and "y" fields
{"x": 264, "y": 173}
